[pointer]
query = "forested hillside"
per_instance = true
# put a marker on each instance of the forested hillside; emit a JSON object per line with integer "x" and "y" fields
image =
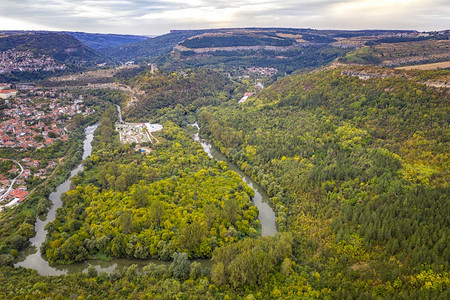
{"x": 358, "y": 172}
{"x": 195, "y": 87}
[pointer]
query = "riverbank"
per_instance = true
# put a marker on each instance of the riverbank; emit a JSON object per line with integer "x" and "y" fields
{"x": 261, "y": 199}
{"x": 31, "y": 257}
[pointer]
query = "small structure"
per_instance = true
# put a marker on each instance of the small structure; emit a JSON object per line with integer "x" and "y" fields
{"x": 5, "y": 86}
{"x": 143, "y": 149}
{"x": 246, "y": 95}
{"x": 5, "y": 94}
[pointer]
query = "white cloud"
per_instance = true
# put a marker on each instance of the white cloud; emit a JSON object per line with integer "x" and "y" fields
{"x": 159, "y": 16}
{"x": 20, "y": 24}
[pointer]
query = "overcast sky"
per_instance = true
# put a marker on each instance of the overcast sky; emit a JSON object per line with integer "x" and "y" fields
{"x": 153, "y": 17}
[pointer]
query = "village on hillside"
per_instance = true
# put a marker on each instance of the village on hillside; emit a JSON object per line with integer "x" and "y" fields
{"x": 25, "y": 61}
{"x": 31, "y": 118}
{"x": 36, "y": 118}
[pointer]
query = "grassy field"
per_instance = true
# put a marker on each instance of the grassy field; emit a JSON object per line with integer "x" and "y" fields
{"x": 434, "y": 66}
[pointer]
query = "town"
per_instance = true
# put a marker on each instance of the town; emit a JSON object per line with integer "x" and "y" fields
{"x": 36, "y": 119}
{"x": 30, "y": 119}
{"x": 26, "y": 61}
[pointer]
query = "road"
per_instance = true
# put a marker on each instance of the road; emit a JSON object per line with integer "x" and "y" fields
{"x": 120, "y": 113}
{"x": 2, "y": 197}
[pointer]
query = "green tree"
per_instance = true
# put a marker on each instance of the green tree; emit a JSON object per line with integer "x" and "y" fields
{"x": 126, "y": 222}
{"x": 156, "y": 212}
{"x": 180, "y": 266}
{"x": 140, "y": 198}
{"x": 191, "y": 235}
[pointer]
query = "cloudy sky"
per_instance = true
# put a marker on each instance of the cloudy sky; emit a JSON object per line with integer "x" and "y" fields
{"x": 152, "y": 17}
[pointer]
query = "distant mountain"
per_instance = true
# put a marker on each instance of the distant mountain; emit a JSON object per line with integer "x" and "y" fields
{"x": 60, "y": 46}
{"x": 31, "y": 55}
{"x": 398, "y": 50}
{"x": 237, "y": 51}
{"x": 230, "y": 49}
{"x": 98, "y": 41}
{"x": 150, "y": 47}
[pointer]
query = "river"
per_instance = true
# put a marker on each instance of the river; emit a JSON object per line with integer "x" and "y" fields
{"x": 31, "y": 257}
{"x": 266, "y": 215}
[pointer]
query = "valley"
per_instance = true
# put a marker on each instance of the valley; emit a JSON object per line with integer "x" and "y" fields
{"x": 234, "y": 163}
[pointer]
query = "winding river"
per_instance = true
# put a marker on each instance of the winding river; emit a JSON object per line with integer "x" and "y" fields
{"x": 266, "y": 215}
{"x": 31, "y": 257}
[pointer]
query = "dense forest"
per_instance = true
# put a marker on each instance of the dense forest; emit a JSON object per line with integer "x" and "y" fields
{"x": 194, "y": 87}
{"x": 355, "y": 160}
{"x": 357, "y": 170}
{"x": 174, "y": 199}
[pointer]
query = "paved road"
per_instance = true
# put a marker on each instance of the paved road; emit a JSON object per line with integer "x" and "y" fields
{"x": 120, "y": 113}
{"x": 12, "y": 183}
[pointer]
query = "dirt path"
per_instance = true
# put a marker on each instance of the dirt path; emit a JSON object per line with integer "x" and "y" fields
{"x": 157, "y": 141}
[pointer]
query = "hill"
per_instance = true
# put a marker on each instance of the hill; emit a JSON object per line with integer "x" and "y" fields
{"x": 99, "y": 41}
{"x": 194, "y": 88}
{"x": 236, "y": 49}
{"x": 357, "y": 167}
{"x": 29, "y": 56}
{"x": 149, "y": 48}
{"x": 402, "y": 50}
{"x": 60, "y": 46}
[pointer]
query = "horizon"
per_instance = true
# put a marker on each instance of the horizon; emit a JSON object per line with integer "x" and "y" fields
{"x": 158, "y": 17}
{"x": 221, "y": 28}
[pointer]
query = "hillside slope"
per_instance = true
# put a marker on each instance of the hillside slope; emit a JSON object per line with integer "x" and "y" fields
{"x": 98, "y": 41}
{"x": 357, "y": 168}
{"x": 191, "y": 88}
{"x": 62, "y": 47}
{"x": 234, "y": 49}
{"x": 428, "y": 47}
{"x": 150, "y": 47}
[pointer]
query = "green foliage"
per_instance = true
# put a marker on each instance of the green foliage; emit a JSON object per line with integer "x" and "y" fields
{"x": 358, "y": 175}
{"x": 192, "y": 87}
{"x": 250, "y": 262}
{"x": 235, "y": 40}
{"x": 180, "y": 266}
{"x": 357, "y": 171}
{"x": 364, "y": 55}
{"x": 139, "y": 206}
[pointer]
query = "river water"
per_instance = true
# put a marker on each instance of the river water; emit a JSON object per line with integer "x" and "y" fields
{"x": 266, "y": 215}
{"x": 31, "y": 257}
